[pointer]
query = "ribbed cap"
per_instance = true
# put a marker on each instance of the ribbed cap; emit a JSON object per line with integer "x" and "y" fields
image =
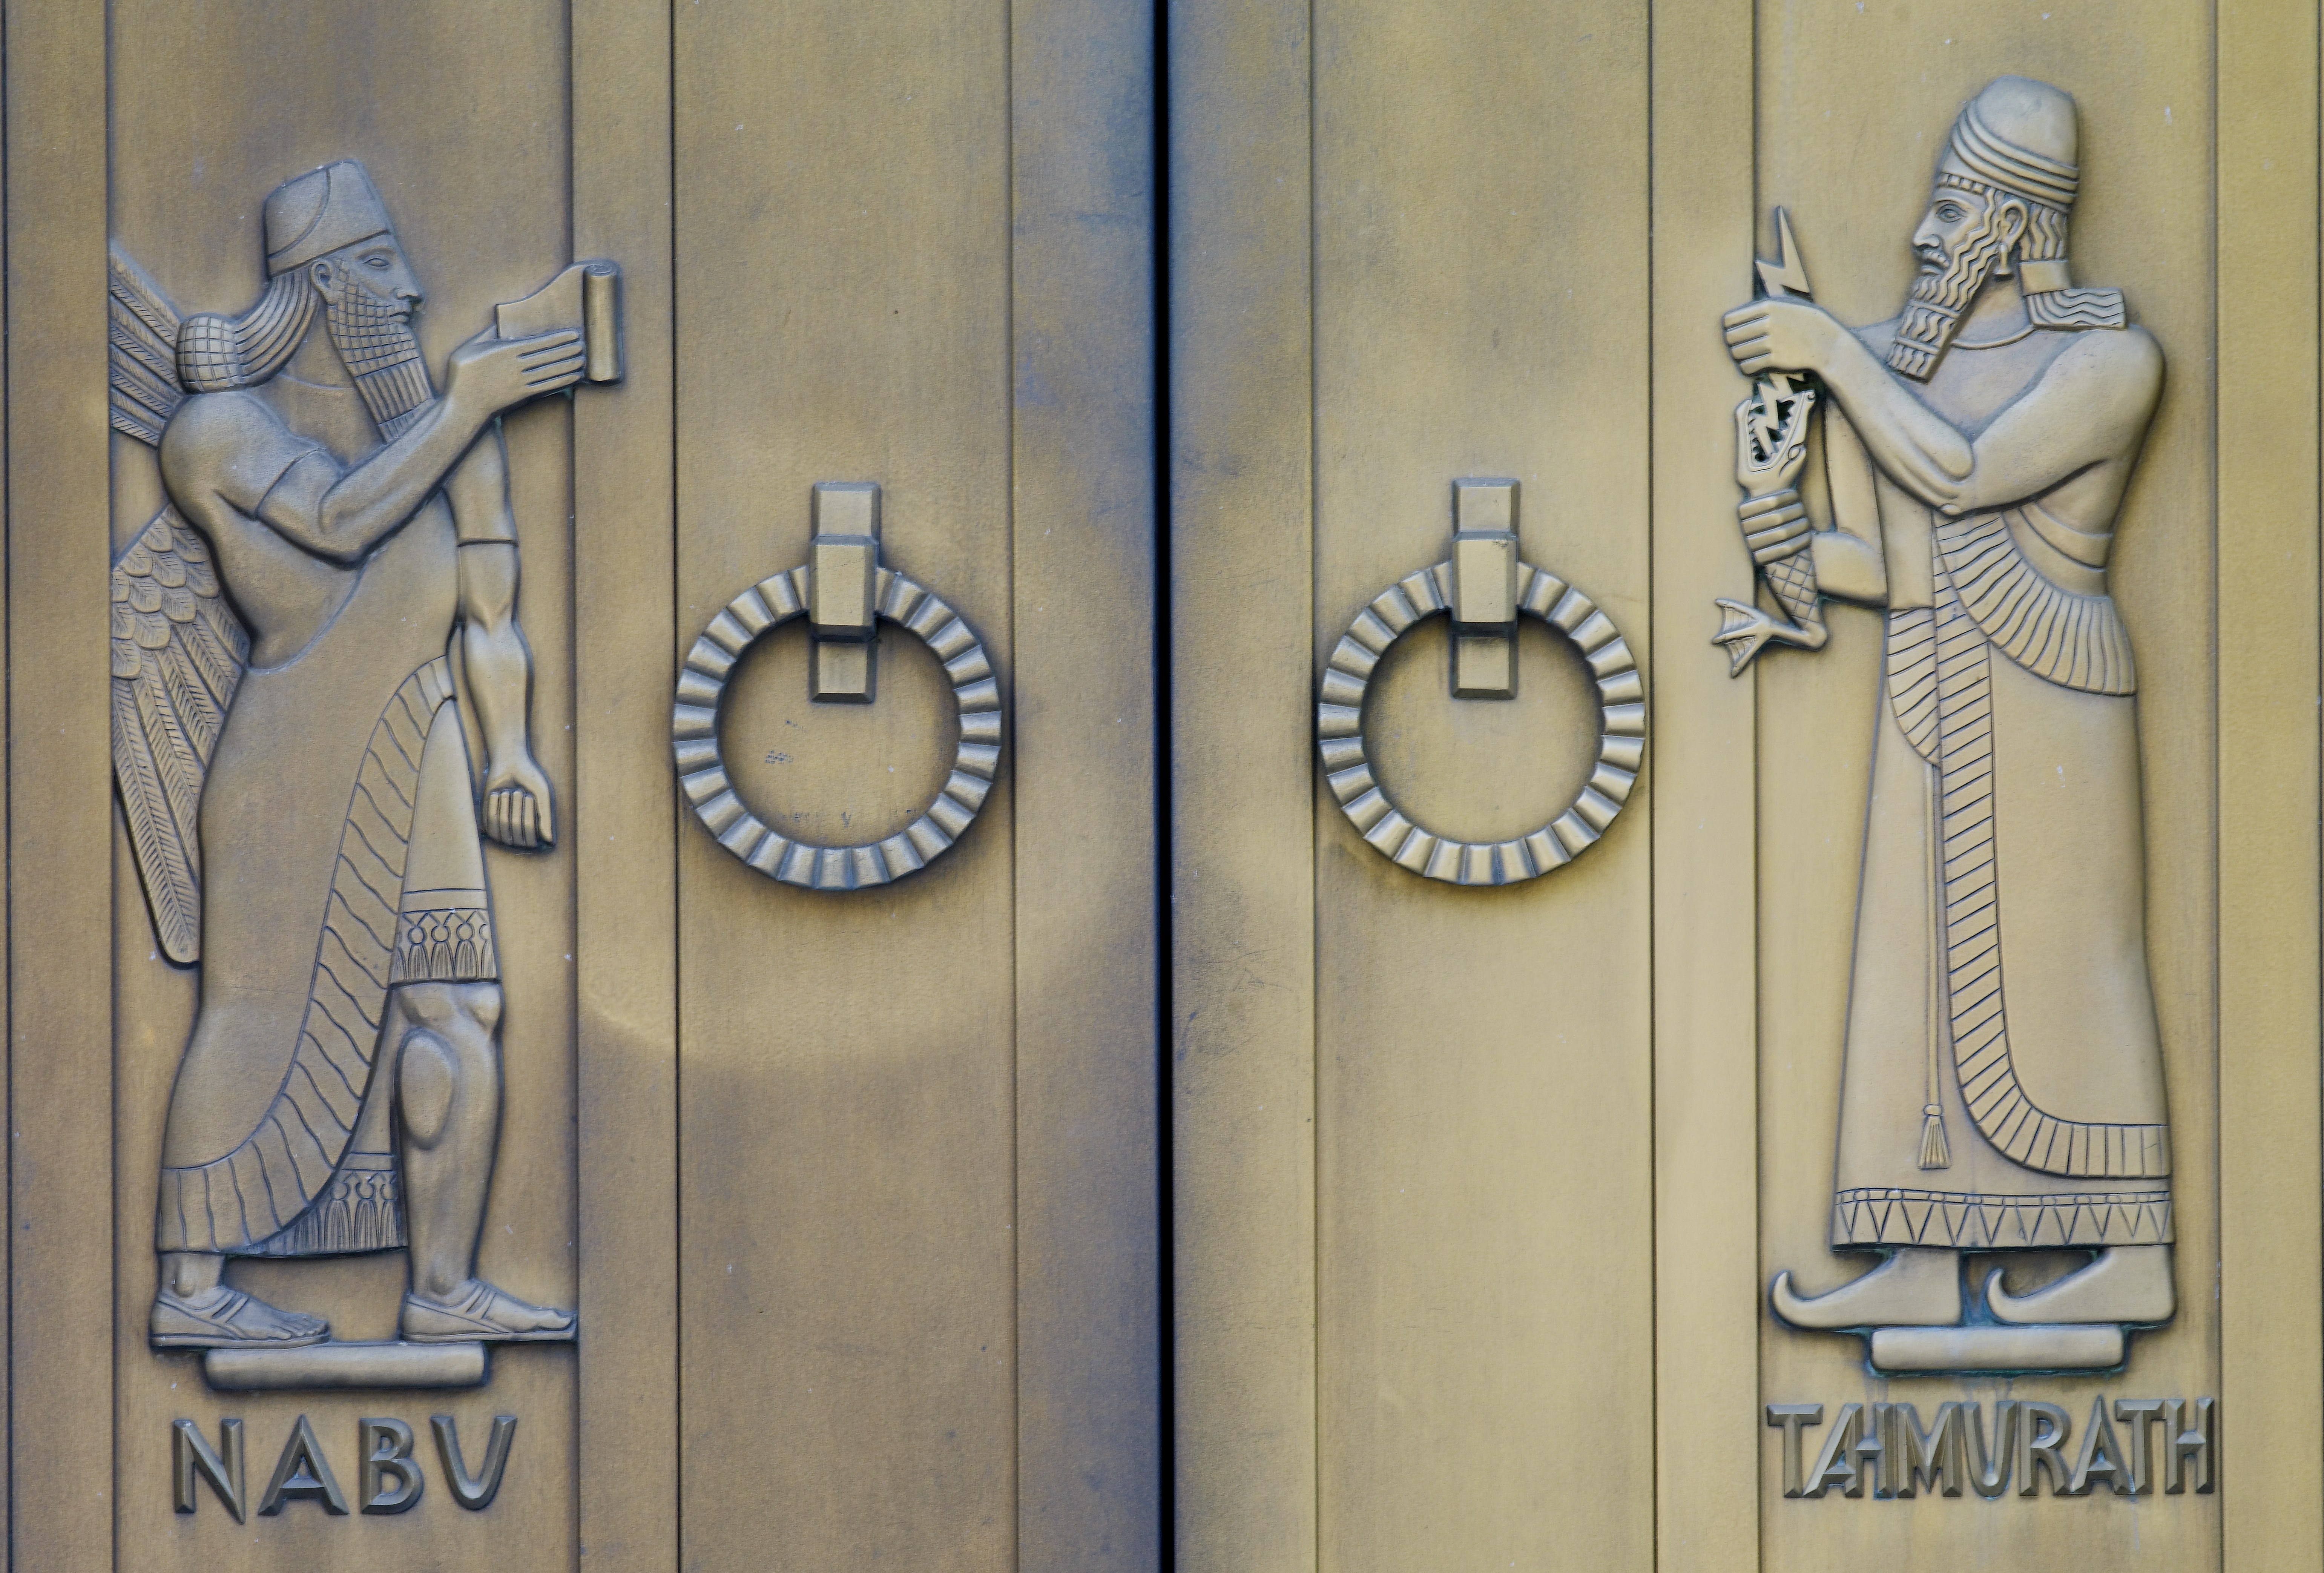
{"x": 2019, "y": 135}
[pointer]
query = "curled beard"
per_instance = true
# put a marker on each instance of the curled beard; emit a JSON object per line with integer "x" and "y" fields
{"x": 1940, "y": 299}
{"x": 376, "y": 344}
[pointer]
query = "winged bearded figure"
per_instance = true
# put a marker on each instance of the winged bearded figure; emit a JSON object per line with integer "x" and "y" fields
{"x": 312, "y": 642}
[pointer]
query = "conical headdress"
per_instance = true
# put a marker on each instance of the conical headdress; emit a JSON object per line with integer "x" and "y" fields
{"x": 311, "y": 216}
{"x": 320, "y": 211}
{"x": 2020, "y": 137}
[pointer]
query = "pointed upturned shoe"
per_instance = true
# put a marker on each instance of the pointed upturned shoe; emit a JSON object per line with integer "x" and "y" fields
{"x": 2128, "y": 1285}
{"x": 1914, "y": 1287}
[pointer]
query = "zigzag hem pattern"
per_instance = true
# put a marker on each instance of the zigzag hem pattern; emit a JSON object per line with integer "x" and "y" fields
{"x": 1972, "y": 1221}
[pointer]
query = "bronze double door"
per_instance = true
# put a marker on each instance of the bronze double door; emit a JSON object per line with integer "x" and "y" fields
{"x": 826, "y": 895}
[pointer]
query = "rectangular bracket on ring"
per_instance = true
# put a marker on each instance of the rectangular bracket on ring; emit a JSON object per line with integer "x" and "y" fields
{"x": 1484, "y": 589}
{"x": 841, "y": 610}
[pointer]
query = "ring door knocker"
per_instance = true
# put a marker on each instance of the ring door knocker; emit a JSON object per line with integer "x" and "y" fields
{"x": 843, "y": 591}
{"x": 1484, "y": 586}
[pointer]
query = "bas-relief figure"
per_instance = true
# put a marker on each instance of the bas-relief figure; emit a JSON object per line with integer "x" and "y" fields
{"x": 307, "y": 644}
{"x": 2003, "y": 1072}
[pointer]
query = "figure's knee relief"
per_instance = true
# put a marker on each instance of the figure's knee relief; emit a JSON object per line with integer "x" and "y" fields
{"x": 454, "y": 1010}
{"x": 481, "y": 1004}
{"x": 427, "y": 1082}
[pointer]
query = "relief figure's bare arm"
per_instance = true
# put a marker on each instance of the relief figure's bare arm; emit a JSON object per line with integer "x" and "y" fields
{"x": 1924, "y": 452}
{"x": 1849, "y": 570}
{"x": 340, "y": 515}
{"x": 1910, "y": 441}
{"x": 1851, "y": 560}
{"x": 2088, "y": 406}
{"x": 517, "y": 810}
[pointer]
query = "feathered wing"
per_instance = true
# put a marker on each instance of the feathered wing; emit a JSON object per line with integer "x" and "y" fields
{"x": 178, "y": 652}
{"x": 144, "y": 334}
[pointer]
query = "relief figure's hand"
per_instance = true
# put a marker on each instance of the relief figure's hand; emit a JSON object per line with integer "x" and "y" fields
{"x": 1780, "y": 335}
{"x": 490, "y": 374}
{"x": 516, "y": 803}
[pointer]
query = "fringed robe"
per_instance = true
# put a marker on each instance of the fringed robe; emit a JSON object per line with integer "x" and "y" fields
{"x": 2000, "y": 954}
{"x": 341, "y": 858}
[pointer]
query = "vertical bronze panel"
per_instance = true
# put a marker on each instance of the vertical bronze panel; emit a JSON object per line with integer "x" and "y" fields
{"x": 460, "y": 114}
{"x": 2271, "y": 1279}
{"x": 1706, "y": 957}
{"x": 1087, "y": 917}
{"x": 625, "y": 808}
{"x": 847, "y": 1237}
{"x": 61, "y": 1016}
{"x": 1853, "y": 109}
{"x": 1483, "y": 1056}
{"x": 1242, "y": 1051}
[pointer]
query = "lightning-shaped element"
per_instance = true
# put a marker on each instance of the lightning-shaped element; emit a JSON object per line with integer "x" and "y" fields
{"x": 1785, "y": 278}
{"x": 1770, "y": 434}
{"x": 1786, "y": 275}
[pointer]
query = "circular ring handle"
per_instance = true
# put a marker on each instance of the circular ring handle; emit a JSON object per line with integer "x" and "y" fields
{"x": 702, "y": 772}
{"x": 1621, "y": 743}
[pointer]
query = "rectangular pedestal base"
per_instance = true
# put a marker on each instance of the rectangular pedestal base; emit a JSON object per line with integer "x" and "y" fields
{"x": 384, "y": 1365}
{"x": 2000, "y": 1351}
